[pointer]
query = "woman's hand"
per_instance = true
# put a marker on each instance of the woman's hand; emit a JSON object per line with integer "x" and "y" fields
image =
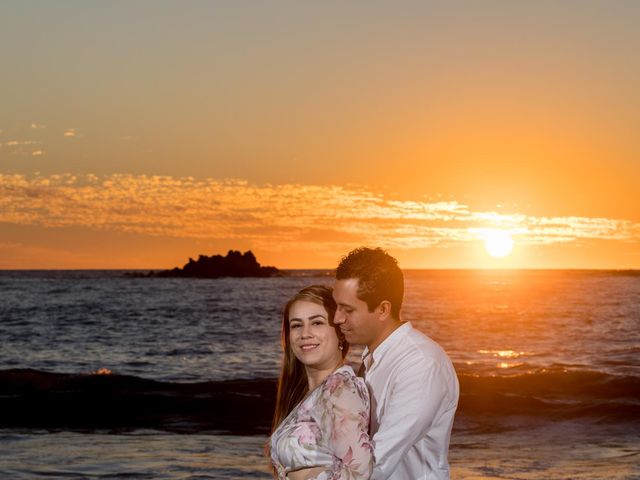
{"x": 306, "y": 473}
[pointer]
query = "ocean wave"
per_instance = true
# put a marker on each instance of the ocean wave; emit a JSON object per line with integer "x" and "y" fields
{"x": 555, "y": 394}
{"x": 35, "y": 399}
{"x": 559, "y": 381}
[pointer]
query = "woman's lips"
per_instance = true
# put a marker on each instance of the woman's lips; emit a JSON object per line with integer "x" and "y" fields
{"x": 308, "y": 347}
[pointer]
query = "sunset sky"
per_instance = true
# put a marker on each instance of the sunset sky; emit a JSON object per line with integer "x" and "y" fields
{"x": 137, "y": 134}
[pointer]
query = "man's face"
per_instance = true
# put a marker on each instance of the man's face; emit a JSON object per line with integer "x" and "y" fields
{"x": 359, "y": 325}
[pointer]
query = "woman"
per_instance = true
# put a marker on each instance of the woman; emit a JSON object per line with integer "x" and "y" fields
{"x": 322, "y": 409}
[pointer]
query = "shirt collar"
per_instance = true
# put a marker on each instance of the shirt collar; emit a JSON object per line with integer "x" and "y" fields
{"x": 386, "y": 344}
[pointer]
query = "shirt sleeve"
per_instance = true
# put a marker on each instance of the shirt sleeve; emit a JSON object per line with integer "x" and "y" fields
{"x": 418, "y": 396}
{"x": 345, "y": 428}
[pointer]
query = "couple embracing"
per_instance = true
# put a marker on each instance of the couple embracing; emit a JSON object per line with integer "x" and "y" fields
{"x": 391, "y": 421}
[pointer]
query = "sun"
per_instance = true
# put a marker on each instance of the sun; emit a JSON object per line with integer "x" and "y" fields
{"x": 498, "y": 243}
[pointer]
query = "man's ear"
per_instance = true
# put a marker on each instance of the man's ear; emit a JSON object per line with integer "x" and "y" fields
{"x": 384, "y": 310}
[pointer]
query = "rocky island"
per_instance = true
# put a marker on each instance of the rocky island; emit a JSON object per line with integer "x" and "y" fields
{"x": 234, "y": 264}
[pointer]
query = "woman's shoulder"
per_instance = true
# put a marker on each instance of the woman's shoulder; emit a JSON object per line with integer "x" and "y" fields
{"x": 344, "y": 374}
{"x": 345, "y": 380}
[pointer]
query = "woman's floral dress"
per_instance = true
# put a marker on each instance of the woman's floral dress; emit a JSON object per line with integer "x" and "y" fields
{"x": 327, "y": 429}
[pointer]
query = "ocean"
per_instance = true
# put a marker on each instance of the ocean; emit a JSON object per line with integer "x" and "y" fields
{"x": 548, "y": 362}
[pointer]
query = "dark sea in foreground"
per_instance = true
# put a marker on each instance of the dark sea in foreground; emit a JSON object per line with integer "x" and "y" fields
{"x": 548, "y": 361}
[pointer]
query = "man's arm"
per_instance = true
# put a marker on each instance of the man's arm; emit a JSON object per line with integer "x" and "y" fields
{"x": 419, "y": 393}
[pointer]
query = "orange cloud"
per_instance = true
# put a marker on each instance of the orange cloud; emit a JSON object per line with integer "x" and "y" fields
{"x": 16, "y": 143}
{"x": 322, "y": 217}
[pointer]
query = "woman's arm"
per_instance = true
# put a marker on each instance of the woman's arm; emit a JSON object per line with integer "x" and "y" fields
{"x": 345, "y": 425}
{"x": 306, "y": 473}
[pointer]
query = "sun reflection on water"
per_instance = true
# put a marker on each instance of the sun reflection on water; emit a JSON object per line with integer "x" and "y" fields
{"x": 502, "y": 353}
{"x": 509, "y": 365}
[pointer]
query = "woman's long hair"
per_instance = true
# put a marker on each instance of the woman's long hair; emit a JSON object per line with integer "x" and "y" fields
{"x": 292, "y": 385}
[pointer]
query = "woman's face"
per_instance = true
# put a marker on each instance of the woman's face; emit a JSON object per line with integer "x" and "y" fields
{"x": 313, "y": 340}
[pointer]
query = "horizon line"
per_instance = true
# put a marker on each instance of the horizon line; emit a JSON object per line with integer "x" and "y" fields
{"x": 625, "y": 269}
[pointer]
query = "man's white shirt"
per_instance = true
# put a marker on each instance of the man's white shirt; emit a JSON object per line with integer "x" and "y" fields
{"x": 414, "y": 394}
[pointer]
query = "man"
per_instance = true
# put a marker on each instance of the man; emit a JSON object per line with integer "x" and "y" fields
{"x": 413, "y": 386}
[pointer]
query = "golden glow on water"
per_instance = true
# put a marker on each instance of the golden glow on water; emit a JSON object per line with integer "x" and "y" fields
{"x": 103, "y": 371}
{"x": 502, "y": 353}
{"x": 504, "y": 356}
{"x": 505, "y": 365}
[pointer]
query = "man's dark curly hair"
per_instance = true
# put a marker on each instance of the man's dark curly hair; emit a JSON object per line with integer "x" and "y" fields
{"x": 379, "y": 277}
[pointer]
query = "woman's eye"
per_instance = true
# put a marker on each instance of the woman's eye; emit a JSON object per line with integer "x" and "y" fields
{"x": 318, "y": 322}
{"x": 295, "y": 326}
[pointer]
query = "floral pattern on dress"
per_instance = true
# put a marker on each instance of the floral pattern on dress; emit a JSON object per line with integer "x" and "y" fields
{"x": 328, "y": 429}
